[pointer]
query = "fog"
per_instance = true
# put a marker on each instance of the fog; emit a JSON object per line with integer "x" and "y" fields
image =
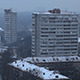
{"x": 40, "y": 5}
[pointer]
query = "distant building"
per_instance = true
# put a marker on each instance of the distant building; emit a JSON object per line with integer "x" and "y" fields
{"x": 10, "y": 29}
{"x": 54, "y": 33}
{"x": 1, "y": 37}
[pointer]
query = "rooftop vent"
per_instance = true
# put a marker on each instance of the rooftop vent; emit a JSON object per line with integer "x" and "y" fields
{"x": 43, "y": 73}
{"x": 43, "y": 59}
{"x": 23, "y": 65}
{"x": 56, "y": 76}
{"x": 21, "y": 59}
{"x": 57, "y": 59}
{"x": 15, "y": 61}
{"x": 17, "y": 65}
{"x": 67, "y": 59}
{"x": 26, "y": 68}
{"x": 53, "y": 59}
{"x": 33, "y": 69}
{"x": 73, "y": 58}
{"x": 76, "y": 58}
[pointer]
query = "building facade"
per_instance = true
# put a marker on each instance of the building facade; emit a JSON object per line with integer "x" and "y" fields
{"x": 54, "y": 33}
{"x": 10, "y": 29}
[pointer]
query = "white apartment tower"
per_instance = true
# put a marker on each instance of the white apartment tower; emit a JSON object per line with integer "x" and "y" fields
{"x": 10, "y": 29}
{"x": 54, "y": 33}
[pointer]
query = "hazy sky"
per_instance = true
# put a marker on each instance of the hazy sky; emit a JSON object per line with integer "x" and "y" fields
{"x": 37, "y": 5}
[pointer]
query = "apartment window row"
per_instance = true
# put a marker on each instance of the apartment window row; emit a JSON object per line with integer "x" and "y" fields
{"x": 70, "y": 42}
{"x": 42, "y": 46}
{"x": 62, "y": 21}
{"x": 59, "y": 28}
{"x": 51, "y": 46}
{"x": 44, "y": 53}
{"x": 51, "y": 25}
{"x": 70, "y": 28}
{"x": 44, "y": 49}
{"x": 66, "y": 46}
{"x": 48, "y": 32}
{"x": 63, "y": 18}
{"x": 44, "y": 42}
{"x": 66, "y": 35}
{"x": 44, "y": 28}
{"x": 48, "y": 28}
{"x": 59, "y": 35}
{"x": 73, "y": 39}
{"x": 60, "y": 32}
{"x": 63, "y": 53}
{"x": 47, "y": 43}
{"x": 44, "y": 35}
{"x": 67, "y": 49}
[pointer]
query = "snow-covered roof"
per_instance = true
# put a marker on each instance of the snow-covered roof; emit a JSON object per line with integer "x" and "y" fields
{"x": 52, "y": 59}
{"x": 27, "y": 64}
{"x": 42, "y": 12}
{"x": 1, "y": 29}
{"x": 46, "y": 12}
{"x": 37, "y": 71}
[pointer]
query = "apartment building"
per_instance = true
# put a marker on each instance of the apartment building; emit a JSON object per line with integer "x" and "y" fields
{"x": 54, "y": 33}
{"x": 10, "y": 29}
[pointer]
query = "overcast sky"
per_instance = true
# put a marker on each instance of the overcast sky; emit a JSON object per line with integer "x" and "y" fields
{"x": 37, "y": 5}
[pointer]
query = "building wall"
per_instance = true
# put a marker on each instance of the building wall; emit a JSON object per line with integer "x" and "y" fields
{"x": 54, "y": 34}
{"x": 16, "y": 74}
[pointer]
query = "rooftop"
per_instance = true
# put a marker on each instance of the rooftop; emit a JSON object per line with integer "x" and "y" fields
{"x": 46, "y": 12}
{"x": 28, "y": 65}
{"x": 54, "y": 11}
{"x": 52, "y": 59}
{"x": 37, "y": 71}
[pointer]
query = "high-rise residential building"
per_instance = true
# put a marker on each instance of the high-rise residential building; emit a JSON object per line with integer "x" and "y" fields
{"x": 10, "y": 29}
{"x": 54, "y": 33}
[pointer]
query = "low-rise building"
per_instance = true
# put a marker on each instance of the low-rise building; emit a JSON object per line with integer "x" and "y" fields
{"x": 46, "y": 68}
{"x": 39, "y": 73}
